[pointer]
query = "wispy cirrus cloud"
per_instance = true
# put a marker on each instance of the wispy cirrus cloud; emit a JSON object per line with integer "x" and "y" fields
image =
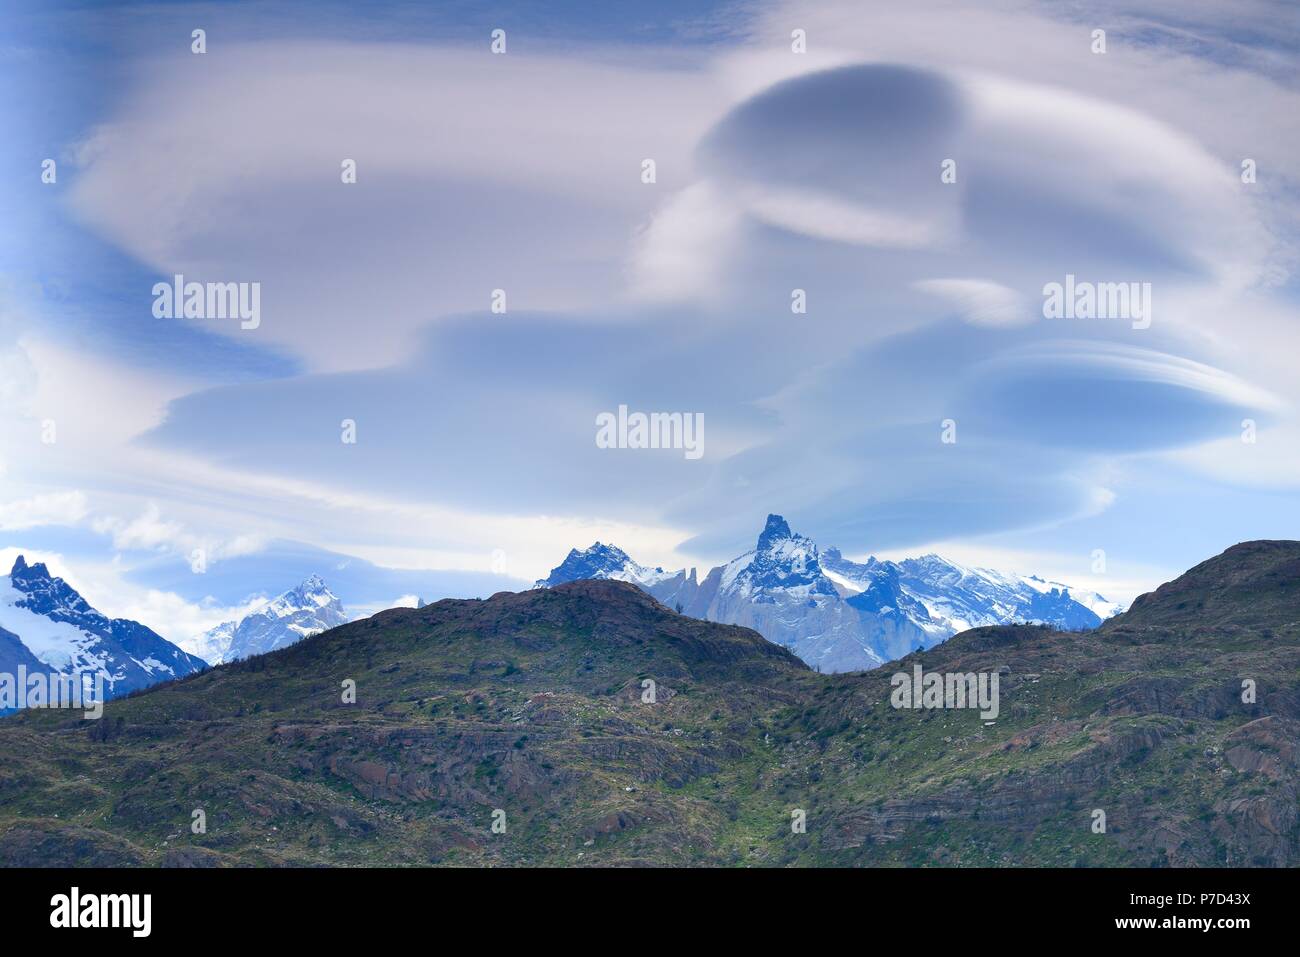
{"x": 58, "y": 508}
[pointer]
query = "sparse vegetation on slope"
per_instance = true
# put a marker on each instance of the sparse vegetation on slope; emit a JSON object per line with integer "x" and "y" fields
{"x": 534, "y": 704}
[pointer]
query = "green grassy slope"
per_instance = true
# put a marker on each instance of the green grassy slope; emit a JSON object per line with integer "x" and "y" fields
{"x": 532, "y": 704}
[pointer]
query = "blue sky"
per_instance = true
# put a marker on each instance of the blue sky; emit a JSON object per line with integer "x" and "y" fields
{"x": 475, "y": 467}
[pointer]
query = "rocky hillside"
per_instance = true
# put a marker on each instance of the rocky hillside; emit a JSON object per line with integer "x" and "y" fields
{"x": 534, "y": 711}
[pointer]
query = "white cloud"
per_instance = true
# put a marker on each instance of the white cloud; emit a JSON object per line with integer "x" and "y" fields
{"x": 1136, "y": 364}
{"x": 150, "y": 532}
{"x": 981, "y": 302}
{"x": 681, "y": 253}
{"x": 1268, "y": 462}
{"x": 475, "y": 172}
{"x": 95, "y": 404}
{"x": 59, "y": 508}
{"x": 176, "y": 619}
{"x": 826, "y": 217}
{"x": 522, "y": 172}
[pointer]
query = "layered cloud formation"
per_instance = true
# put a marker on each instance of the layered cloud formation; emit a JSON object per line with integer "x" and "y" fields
{"x": 917, "y": 189}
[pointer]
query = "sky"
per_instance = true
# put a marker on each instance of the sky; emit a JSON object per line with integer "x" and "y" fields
{"x": 915, "y": 174}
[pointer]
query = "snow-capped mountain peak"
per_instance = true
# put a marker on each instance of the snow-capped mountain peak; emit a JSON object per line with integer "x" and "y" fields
{"x": 313, "y": 593}
{"x": 841, "y": 615}
{"x": 948, "y": 597}
{"x": 602, "y": 561}
{"x": 302, "y": 611}
{"x": 57, "y": 626}
{"x": 776, "y": 530}
{"x": 783, "y": 561}
{"x": 45, "y": 594}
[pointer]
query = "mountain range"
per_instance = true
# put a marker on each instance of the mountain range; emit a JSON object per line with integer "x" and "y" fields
{"x": 46, "y": 626}
{"x": 589, "y": 725}
{"x": 835, "y": 614}
{"x": 308, "y": 609}
{"x": 839, "y": 615}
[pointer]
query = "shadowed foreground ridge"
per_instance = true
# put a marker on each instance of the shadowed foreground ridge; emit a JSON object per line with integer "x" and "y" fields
{"x": 532, "y": 703}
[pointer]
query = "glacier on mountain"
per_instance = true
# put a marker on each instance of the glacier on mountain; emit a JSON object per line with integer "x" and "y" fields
{"x": 841, "y": 615}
